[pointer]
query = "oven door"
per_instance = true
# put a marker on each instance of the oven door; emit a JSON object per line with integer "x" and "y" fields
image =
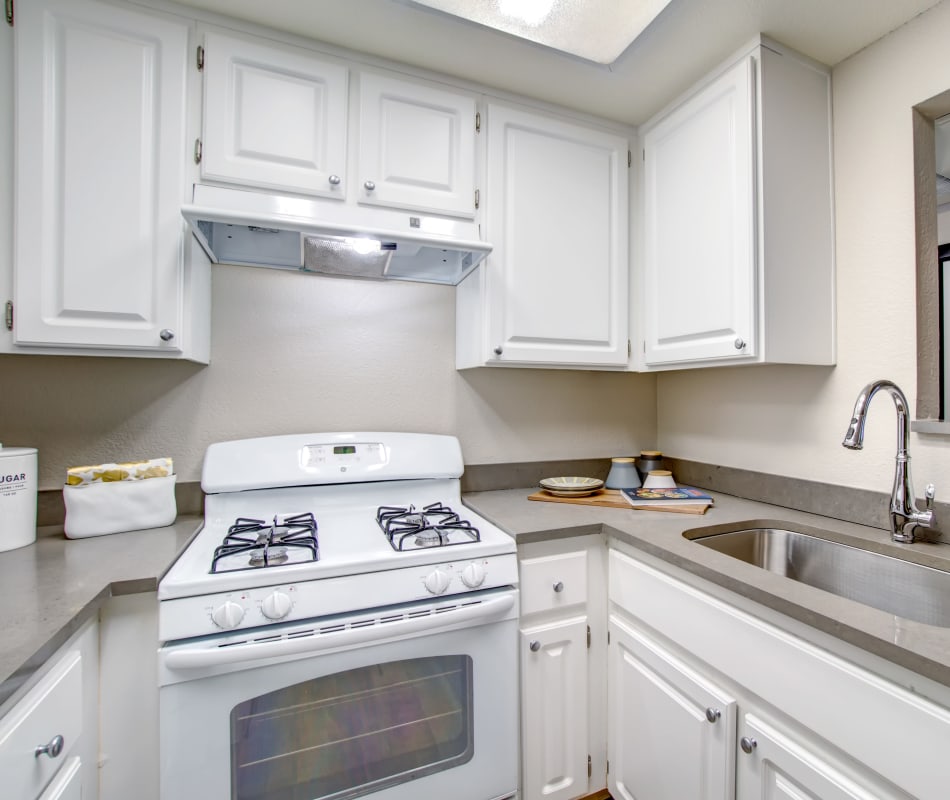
{"x": 417, "y": 701}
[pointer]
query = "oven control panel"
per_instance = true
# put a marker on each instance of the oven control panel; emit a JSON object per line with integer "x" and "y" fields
{"x": 256, "y": 607}
{"x": 343, "y": 457}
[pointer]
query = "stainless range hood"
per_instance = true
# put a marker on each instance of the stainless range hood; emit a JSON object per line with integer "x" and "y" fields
{"x": 330, "y": 237}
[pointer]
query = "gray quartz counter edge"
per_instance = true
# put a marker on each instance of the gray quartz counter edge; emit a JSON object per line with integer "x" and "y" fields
{"x": 49, "y": 589}
{"x": 924, "y": 649}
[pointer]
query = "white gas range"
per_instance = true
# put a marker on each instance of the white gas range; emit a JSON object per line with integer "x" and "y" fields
{"x": 338, "y": 577}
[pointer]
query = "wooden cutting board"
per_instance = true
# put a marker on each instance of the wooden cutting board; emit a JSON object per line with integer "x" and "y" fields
{"x": 611, "y": 498}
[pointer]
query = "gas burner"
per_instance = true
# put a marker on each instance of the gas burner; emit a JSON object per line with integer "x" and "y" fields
{"x": 435, "y": 525}
{"x": 256, "y": 543}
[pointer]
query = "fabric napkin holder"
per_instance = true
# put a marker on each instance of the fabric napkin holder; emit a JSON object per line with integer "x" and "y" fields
{"x": 94, "y": 509}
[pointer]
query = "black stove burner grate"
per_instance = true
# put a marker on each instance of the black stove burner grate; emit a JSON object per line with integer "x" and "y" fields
{"x": 435, "y": 525}
{"x": 268, "y": 544}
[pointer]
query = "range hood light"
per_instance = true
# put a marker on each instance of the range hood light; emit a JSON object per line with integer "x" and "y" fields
{"x": 362, "y": 245}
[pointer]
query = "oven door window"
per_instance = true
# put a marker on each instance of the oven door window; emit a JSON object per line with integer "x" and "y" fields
{"x": 354, "y": 732}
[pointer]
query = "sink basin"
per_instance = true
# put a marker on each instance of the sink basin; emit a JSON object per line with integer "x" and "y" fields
{"x": 905, "y": 588}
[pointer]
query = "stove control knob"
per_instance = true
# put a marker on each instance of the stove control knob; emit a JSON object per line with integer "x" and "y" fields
{"x": 228, "y": 615}
{"x": 437, "y": 581}
{"x": 473, "y": 575}
{"x": 276, "y": 605}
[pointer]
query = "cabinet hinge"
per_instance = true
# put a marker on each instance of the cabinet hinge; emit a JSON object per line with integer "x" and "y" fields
{"x": 629, "y": 348}
{"x": 478, "y": 198}
{"x": 8, "y": 5}
{"x": 629, "y": 159}
{"x": 588, "y": 637}
{"x": 590, "y": 766}
{"x": 197, "y": 151}
{"x": 608, "y": 637}
{"x": 608, "y": 766}
{"x": 478, "y": 117}
{"x": 8, "y": 315}
{"x": 200, "y": 58}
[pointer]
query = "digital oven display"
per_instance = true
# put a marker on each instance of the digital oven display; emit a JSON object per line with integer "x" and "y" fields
{"x": 344, "y": 449}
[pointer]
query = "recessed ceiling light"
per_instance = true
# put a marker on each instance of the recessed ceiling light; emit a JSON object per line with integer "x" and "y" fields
{"x": 596, "y": 30}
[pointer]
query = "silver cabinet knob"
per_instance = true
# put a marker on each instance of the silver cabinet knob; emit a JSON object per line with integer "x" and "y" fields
{"x": 748, "y": 744}
{"x": 535, "y": 646}
{"x": 369, "y": 185}
{"x": 53, "y": 749}
{"x": 166, "y": 334}
{"x": 498, "y": 350}
{"x": 739, "y": 343}
{"x": 559, "y": 586}
{"x": 334, "y": 180}
{"x": 713, "y": 714}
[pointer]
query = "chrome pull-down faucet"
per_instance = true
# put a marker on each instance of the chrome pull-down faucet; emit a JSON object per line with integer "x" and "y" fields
{"x": 904, "y": 514}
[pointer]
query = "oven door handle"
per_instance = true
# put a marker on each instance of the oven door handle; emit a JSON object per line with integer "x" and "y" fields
{"x": 197, "y": 658}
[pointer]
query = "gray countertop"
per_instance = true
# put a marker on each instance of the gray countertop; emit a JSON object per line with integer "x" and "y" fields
{"x": 924, "y": 649}
{"x": 50, "y": 588}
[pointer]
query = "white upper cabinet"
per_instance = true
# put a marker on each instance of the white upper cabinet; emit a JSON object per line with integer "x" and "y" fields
{"x": 274, "y": 117}
{"x": 738, "y": 230}
{"x": 277, "y": 117}
{"x": 699, "y": 233}
{"x": 416, "y": 146}
{"x": 100, "y": 141}
{"x": 553, "y": 292}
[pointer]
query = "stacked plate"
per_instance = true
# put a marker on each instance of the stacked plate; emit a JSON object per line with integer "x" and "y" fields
{"x": 571, "y": 487}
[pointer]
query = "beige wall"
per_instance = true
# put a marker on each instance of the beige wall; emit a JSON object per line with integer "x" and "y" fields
{"x": 298, "y": 353}
{"x": 790, "y": 420}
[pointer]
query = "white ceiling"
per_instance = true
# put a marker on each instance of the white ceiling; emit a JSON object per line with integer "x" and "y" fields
{"x": 687, "y": 39}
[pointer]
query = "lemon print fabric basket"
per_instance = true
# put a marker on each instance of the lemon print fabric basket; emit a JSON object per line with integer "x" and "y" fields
{"x": 116, "y": 497}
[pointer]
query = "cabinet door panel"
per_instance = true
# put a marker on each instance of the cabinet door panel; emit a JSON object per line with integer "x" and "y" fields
{"x": 556, "y": 206}
{"x": 67, "y": 785}
{"x": 554, "y": 710}
{"x": 672, "y": 732}
{"x": 780, "y": 768}
{"x": 699, "y": 231}
{"x": 274, "y": 117}
{"x": 417, "y": 147}
{"x": 100, "y": 175}
{"x": 53, "y": 707}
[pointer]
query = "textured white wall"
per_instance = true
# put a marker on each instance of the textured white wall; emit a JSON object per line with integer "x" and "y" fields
{"x": 790, "y": 420}
{"x": 300, "y": 353}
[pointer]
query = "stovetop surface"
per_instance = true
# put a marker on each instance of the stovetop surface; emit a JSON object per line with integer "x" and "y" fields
{"x": 350, "y": 538}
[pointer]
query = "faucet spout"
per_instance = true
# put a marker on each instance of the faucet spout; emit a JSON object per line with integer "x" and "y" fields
{"x": 905, "y": 517}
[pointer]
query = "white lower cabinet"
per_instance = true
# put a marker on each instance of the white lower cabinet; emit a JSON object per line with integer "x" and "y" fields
{"x": 708, "y": 699}
{"x": 49, "y": 739}
{"x": 671, "y": 732}
{"x": 563, "y": 641}
{"x": 554, "y": 665}
{"x": 774, "y": 766}
{"x": 67, "y": 785}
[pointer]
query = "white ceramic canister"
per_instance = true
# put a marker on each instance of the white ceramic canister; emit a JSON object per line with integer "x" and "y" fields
{"x": 17, "y": 497}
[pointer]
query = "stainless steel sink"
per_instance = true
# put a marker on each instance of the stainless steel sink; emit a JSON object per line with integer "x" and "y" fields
{"x": 905, "y": 588}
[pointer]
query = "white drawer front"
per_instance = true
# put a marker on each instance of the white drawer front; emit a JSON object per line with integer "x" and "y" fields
{"x": 53, "y": 707}
{"x": 552, "y": 582}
